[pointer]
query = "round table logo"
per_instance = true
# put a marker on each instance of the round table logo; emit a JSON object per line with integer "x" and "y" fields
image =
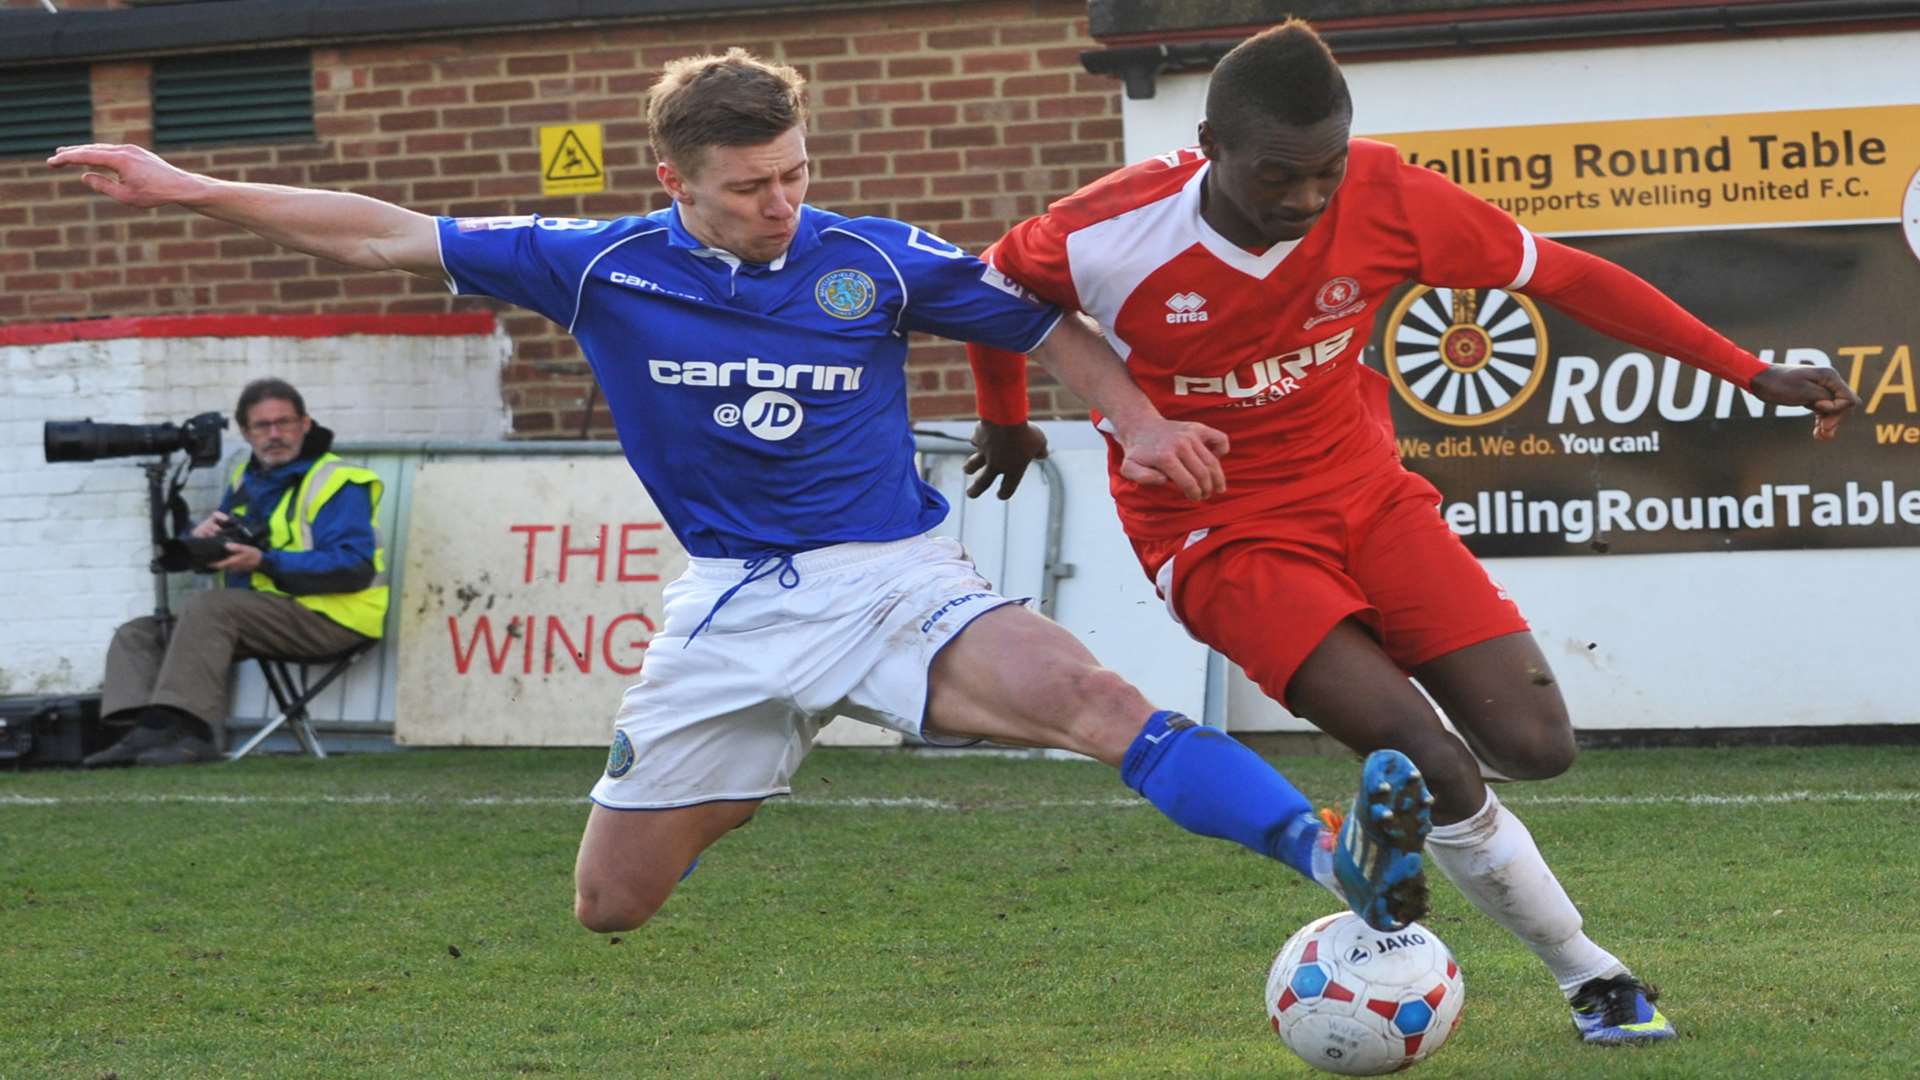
{"x": 1465, "y": 357}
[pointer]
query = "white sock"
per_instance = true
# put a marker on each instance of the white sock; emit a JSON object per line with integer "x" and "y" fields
{"x": 1491, "y": 858}
{"x": 1323, "y": 871}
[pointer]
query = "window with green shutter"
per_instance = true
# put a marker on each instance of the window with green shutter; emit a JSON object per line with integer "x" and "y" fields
{"x": 236, "y": 97}
{"x": 42, "y": 109}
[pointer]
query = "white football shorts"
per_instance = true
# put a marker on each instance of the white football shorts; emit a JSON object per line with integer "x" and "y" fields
{"x": 731, "y": 714}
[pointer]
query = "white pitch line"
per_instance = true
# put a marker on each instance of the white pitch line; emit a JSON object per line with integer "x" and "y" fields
{"x": 911, "y": 803}
{"x": 291, "y": 800}
{"x": 1717, "y": 800}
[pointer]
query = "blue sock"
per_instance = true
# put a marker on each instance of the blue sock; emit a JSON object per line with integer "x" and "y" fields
{"x": 1210, "y": 784}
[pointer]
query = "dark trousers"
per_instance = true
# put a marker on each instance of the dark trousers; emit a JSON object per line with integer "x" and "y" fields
{"x": 193, "y": 670}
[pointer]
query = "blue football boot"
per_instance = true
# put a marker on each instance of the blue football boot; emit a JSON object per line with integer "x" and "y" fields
{"x": 1618, "y": 1009}
{"x": 1376, "y": 856}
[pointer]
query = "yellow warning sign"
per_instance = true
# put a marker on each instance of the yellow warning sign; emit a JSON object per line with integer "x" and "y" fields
{"x": 571, "y": 160}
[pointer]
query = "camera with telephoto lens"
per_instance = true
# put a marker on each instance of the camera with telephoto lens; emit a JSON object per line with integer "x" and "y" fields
{"x": 199, "y": 553}
{"x": 84, "y": 440}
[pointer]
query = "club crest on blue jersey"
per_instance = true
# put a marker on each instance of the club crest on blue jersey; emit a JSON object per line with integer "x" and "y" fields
{"x": 620, "y": 758}
{"x": 845, "y": 294}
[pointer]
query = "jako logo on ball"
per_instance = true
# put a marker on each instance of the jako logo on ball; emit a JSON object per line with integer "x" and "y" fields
{"x": 1351, "y": 1000}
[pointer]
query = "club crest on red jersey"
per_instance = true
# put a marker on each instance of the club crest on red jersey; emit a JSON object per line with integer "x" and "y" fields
{"x": 1337, "y": 299}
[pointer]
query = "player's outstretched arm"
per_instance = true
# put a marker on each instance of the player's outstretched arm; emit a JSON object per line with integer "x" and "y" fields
{"x": 1004, "y": 444}
{"x": 351, "y": 229}
{"x": 1158, "y": 450}
{"x": 1618, "y": 302}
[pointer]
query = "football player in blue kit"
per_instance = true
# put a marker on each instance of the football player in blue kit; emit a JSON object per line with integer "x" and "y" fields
{"x": 752, "y": 352}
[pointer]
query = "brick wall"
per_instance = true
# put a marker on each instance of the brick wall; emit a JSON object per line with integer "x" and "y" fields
{"x": 962, "y": 118}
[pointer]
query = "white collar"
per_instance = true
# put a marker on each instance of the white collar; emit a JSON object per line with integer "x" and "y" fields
{"x": 733, "y": 261}
{"x": 1255, "y": 266}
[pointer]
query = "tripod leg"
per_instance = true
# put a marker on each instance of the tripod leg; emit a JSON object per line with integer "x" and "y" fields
{"x": 258, "y": 737}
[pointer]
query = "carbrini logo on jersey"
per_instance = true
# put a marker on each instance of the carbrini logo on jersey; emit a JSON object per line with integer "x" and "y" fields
{"x": 771, "y": 414}
{"x": 755, "y": 372}
{"x": 845, "y": 294}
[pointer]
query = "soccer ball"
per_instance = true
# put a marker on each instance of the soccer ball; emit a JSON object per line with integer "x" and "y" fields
{"x": 1351, "y": 999}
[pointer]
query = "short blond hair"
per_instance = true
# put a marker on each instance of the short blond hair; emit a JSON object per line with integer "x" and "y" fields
{"x": 732, "y": 100}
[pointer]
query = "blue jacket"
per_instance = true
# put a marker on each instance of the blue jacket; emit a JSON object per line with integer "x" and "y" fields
{"x": 341, "y": 559}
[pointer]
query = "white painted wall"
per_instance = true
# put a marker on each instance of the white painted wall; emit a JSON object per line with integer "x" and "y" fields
{"x": 74, "y": 540}
{"x": 1682, "y": 641}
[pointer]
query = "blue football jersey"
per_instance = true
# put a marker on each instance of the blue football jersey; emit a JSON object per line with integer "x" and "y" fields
{"x": 764, "y": 406}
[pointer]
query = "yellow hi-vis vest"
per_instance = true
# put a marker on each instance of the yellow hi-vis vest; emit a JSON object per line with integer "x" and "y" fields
{"x": 363, "y": 612}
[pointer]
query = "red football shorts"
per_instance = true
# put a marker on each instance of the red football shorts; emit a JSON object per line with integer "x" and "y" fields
{"x": 1267, "y": 590}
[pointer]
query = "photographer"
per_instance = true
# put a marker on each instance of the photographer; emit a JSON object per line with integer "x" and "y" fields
{"x": 303, "y": 576}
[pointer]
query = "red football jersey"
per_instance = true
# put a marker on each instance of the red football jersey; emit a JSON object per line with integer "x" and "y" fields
{"x": 1267, "y": 347}
{"x": 1264, "y": 347}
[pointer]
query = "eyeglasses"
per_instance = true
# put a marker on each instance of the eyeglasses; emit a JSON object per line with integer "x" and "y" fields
{"x": 285, "y": 423}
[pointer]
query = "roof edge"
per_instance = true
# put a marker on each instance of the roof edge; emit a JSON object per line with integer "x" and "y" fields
{"x": 36, "y": 38}
{"x": 1139, "y": 59}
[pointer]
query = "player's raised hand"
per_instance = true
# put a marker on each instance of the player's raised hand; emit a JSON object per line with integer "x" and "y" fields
{"x": 1003, "y": 452}
{"x": 1176, "y": 452}
{"x": 1818, "y": 388}
{"x": 132, "y": 175}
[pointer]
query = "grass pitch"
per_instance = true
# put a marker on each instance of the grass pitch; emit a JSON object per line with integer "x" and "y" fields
{"x": 409, "y": 915}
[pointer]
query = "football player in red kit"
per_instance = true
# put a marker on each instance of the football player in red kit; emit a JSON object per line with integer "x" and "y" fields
{"x": 1238, "y": 281}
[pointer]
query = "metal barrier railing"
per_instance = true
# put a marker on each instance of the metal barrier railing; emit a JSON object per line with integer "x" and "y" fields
{"x": 1053, "y": 571}
{"x": 394, "y": 457}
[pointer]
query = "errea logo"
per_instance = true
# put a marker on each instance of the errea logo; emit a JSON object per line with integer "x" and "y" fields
{"x": 1184, "y": 307}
